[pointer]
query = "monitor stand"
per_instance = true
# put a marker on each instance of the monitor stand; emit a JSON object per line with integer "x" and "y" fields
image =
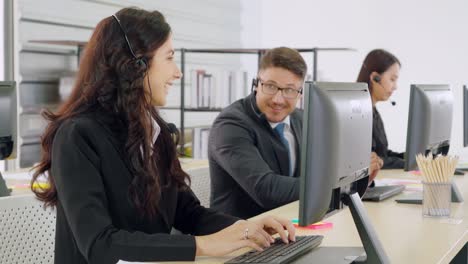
{"x": 374, "y": 250}
{"x": 3, "y": 188}
{"x": 457, "y": 197}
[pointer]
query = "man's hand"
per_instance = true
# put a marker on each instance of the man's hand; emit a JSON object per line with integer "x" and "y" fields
{"x": 375, "y": 166}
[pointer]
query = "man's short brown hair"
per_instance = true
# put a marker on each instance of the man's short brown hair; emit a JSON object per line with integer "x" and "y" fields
{"x": 285, "y": 58}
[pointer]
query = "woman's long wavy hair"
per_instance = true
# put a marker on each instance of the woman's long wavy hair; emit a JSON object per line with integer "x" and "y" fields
{"x": 378, "y": 61}
{"x": 110, "y": 81}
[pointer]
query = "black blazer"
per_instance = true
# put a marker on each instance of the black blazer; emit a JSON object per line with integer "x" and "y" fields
{"x": 392, "y": 160}
{"x": 96, "y": 221}
{"x": 248, "y": 162}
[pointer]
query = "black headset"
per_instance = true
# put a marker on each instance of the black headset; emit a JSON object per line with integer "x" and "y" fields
{"x": 254, "y": 84}
{"x": 377, "y": 79}
{"x": 139, "y": 61}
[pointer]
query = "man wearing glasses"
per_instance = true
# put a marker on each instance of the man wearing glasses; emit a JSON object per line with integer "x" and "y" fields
{"x": 254, "y": 144}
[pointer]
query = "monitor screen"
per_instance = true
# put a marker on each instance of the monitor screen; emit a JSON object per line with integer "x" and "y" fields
{"x": 337, "y": 135}
{"x": 429, "y": 121}
{"x": 8, "y": 133}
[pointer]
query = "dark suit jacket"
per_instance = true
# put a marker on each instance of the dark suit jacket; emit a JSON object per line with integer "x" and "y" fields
{"x": 248, "y": 162}
{"x": 392, "y": 160}
{"x": 96, "y": 221}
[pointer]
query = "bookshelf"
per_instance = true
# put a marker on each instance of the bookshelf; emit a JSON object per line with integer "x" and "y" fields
{"x": 258, "y": 52}
{"x": 80, "y": 45}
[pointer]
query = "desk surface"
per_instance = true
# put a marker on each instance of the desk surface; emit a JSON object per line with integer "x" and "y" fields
{"x": 406, "y": 236}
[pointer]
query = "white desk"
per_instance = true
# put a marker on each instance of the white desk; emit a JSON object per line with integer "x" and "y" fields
{"x": 406, "y": 236}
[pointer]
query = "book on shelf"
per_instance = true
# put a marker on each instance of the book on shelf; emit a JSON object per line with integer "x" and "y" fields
{"x": 200, "y": 137}
{"x": 206, "y": 90}
{"x": 214, "y": 89}
{"x": 197, "y": 81}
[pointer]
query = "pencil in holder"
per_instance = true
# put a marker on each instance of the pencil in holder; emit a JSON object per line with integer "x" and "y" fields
{"x": 437, "y": 176}
{"x": 436, "y": 199}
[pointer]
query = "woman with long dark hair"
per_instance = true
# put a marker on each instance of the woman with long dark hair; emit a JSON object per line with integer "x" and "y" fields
{"x": 380, "y": 70}
{"x": 112, "y": 165}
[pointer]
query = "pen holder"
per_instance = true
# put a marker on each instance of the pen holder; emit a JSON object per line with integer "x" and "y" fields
{"x": 436, "y": 199}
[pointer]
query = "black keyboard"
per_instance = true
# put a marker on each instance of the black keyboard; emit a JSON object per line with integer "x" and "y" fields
{"x": 379, "y": 193}
{"x": 279, "y": 252}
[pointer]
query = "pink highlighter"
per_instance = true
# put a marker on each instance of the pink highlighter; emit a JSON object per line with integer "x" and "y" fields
{"x": 318, "y": 225}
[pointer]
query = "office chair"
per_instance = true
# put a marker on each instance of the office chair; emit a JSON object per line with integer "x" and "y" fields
{"x": 27, "y": 230}
{"x": 201, "y": 188}
{"x": 201, "y": 185}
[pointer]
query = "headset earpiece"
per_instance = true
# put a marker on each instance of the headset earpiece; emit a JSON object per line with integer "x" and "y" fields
{"x": 141, "y": 62}
{"x": 377, "y": 79}
{"x": 254, "y": 83}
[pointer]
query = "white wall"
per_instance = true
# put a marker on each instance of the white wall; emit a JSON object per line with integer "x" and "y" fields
{"x": 2, "y": 59}
{"x": 2, "y": 38}
{"x": 429, "y": 37}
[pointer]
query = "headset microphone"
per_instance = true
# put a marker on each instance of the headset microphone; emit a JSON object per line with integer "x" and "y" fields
{"x": 377, "y": 79}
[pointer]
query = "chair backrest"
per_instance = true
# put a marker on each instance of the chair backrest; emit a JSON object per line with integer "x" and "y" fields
{"x": 201, "y": 184}
{"x": 27, "y": 230}
{"x": 3, "y": 188}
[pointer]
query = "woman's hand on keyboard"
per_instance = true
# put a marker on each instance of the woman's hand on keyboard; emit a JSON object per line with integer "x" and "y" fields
{"x": 255, "y": 234}
{"x": 277, "y": 225}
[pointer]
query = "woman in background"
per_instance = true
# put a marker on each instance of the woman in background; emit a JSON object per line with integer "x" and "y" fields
{"x": 111, "y": 163}
{"x": 380, "y": 70}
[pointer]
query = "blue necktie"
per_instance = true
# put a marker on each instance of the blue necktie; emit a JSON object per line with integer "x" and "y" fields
{"x": 279, "y": 129}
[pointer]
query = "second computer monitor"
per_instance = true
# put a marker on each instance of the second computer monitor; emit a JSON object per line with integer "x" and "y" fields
{"x": 8, "y": 133}
{"x": 429, "y": 121}
{"x": 337, "y": 139}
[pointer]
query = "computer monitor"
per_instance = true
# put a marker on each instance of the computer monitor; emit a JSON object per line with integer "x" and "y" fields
{"x": 429, "y": 121}
{"x": 8, "y": 133}
{"x": 465, "y": 115}
{"x": 337, "y": 140}
{"x": 7, "y": 120}
{"x": 429, "y": 129}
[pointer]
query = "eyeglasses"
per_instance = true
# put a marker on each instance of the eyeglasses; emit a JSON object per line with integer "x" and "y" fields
{"x": 272, "y": 89}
